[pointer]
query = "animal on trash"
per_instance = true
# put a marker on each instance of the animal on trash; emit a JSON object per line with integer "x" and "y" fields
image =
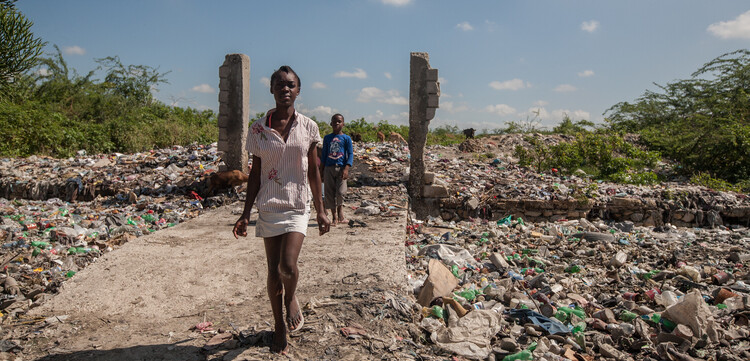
{"x": 469, "y": 133}
{"x": 395, "y": 137}
{"x": 356, "y": 137}
{"x": 381, "y": 137}
{"x": 227, "y": 179}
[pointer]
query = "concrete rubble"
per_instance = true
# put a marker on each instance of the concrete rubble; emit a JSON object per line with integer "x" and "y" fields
{"x": 511, "y": 265}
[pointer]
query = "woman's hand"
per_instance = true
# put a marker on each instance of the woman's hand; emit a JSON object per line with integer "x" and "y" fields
{"x": 324, "y": 225}
{"x": 240, "y": 228}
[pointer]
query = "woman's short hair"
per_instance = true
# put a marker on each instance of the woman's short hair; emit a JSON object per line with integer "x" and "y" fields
{"x": 285, "y": 69}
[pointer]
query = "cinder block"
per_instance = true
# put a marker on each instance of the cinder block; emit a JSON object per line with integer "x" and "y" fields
{"x": 434, "y": 191}
{"x": 223, "y": 96}
{"x": 433, "y": 101}
{"x": 224, "y": 71}
{"x": 224, "y": 84}
{"x": 429, "y": 113}
{"x": 223, "y": 146}
{"x": 432, "y": 75}
{"x": 428, "y": 177}
{"x": 433, "y": 87}
{"x": 223, "y": 134}
{"x": 223, "y": 109}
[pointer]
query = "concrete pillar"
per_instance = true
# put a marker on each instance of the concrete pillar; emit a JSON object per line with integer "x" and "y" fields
{"x": 234, "y": 111}
{"x": 424, "y": 92}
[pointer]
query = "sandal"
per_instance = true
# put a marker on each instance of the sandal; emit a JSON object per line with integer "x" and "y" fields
{"x": 301, "y": 321}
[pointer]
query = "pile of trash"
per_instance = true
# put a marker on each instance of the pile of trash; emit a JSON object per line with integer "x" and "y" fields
{"x": 491, "y": 279}
{"x": 582, "y": 290}
{"x": 107, "y": 201}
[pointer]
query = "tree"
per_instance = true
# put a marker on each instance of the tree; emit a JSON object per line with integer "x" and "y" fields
{"x": 702, "y": 122}
{"x": 19, "y": 48}
{"x": 134, "y": 82}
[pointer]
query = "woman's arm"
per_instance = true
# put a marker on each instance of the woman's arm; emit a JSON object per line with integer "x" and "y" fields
{"x": 313, "y": 177}
{"x": 253, "y": 186}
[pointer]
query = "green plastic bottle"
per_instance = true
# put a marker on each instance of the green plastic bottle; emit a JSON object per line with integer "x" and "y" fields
{"x": 523, "y": 355}
{"x": 454, "y": 270}
{"x": 628, "y": 316}
{"x": 561, "y": 316}
{"x": 437, "y": 311}
{"x": 669, "y": 325}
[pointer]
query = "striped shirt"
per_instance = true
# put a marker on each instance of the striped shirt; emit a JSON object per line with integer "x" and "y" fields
{"x": 283, "y": 173}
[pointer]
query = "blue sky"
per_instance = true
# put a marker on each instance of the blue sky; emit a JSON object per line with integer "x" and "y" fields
{"x": 498, "y": 61}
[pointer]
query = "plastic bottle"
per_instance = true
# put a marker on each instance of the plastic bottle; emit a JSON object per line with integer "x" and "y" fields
{"x": 437, "y": 311}
{"x": 628, "y": 316}
{"x": 454, "y": 270}
{"x": 669, "y": 325}
{"x": 40, "y": 244}
{"x": 523, "y": 355}
{"x": 572, "y": 311}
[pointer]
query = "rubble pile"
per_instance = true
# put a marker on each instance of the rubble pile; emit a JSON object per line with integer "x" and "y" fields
{"x": 518, "y": 265}
{"x": 106, "y": 201}
{"x": 514, "y": 265}
{"x": 582, "y": 289}
{"x": 493, "y": 188}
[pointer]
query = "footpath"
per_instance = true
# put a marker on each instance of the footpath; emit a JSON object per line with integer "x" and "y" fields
{"x": 144, "y": 301}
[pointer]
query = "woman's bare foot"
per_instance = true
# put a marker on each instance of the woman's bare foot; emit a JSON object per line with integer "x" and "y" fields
{"x": 279, "y": 344}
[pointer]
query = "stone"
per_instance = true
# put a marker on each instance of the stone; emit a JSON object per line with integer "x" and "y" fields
{"x": 434, "y": 191}
{"x": 619, "y": 259}
{"x": 439, "y": 283}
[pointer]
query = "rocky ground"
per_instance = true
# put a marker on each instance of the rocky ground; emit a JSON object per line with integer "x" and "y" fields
{"x": 587, "y": 283}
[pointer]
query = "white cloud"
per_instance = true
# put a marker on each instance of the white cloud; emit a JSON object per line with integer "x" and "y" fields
{"x": 358, "y": 73}
{"x": 371, "y": 94}
{"x": 738, "y": 28}
{"x": 265, "y": 81}
{"x": 541, "y": 103}
{"x": 442, "y": 81}
{"x": 203, "y": 88}
{"x": 513, "y": 84}
{"x": 500, "y": 109}
{"x": 586, "y": 73}
{"x": 43, "y": 72}
{"x": 319, "y": 85}
{"x": 396, "y": 2}
{"x": 559, "y": 114}
{"x": 565, "y": 88}
{"x": 538, "y": 113}
{"x": 450, "y": 107}
{"x": 387, "y": 75}
{"x": 320, "y": 112}
{"x": 74, "y": 50}
{"x": 590, "y": 26}
{"x": 464, "y": 26}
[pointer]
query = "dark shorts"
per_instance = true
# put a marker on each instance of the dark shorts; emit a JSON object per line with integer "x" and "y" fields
{"x": 334, "y": 187}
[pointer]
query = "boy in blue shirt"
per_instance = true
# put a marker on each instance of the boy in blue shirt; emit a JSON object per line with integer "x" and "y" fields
{"x": 337, "y": 157}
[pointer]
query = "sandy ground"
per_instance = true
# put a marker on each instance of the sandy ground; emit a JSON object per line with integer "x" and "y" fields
{"x": 142, "y": 301}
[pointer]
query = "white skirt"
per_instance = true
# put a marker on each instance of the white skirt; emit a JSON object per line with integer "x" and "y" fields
{"x": 271, "y": 224}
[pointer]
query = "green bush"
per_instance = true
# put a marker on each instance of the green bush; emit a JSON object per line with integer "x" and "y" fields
{"x": 703, "y": 122}
{"x": 607, "y": 157}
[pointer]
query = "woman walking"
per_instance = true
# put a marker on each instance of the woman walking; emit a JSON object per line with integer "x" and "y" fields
{"x": 284, "y": 149}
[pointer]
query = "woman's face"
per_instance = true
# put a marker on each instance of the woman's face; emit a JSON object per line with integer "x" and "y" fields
{"x": 285, "y": 89}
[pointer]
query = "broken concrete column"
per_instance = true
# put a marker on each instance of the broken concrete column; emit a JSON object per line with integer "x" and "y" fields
{"x": 234, "y": 111}
{"x": 424, "y": 93}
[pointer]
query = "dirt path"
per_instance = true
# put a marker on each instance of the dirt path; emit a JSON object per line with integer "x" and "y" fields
{"x": 141, "y": 301}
